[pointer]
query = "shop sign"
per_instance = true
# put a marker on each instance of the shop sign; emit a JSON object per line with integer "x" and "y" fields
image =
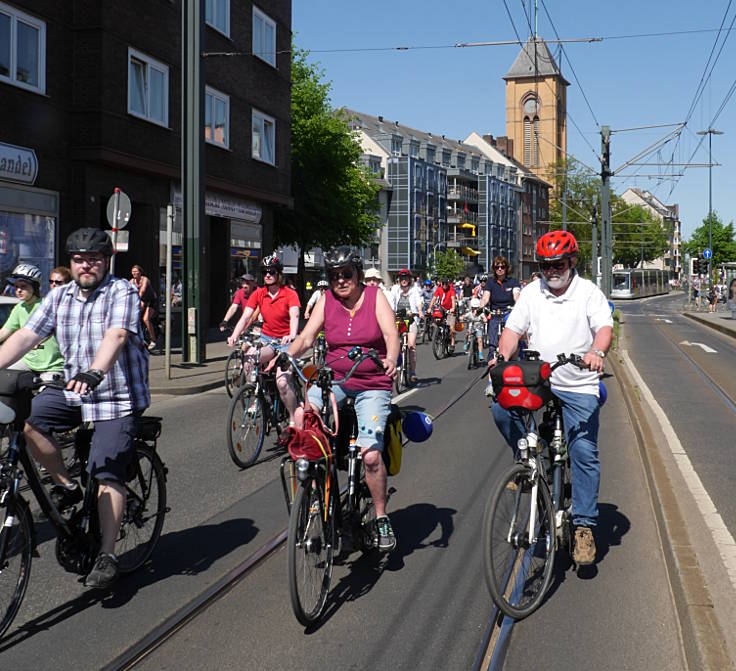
{"x": 217, "y": 205}
{"x": 18, "y": 164}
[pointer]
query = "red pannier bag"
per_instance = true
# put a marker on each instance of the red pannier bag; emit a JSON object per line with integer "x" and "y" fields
{"x": 311, "y": 442}
{"x": 522, "y": 384}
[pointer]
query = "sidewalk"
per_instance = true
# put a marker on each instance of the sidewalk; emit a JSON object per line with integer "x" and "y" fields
{"x": 720, "y": 321}
{"x": 188, "y": 378}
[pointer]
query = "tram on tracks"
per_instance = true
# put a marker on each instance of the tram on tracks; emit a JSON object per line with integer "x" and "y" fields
{"x": 637, "y": 283}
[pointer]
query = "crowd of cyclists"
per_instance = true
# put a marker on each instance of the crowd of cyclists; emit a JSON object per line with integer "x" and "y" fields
{"x": 89, "y": 330}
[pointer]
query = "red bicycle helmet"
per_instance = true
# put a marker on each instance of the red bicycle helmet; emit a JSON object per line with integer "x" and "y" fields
{"x": 556, "y": 245}
{"x": 404, "y": 273}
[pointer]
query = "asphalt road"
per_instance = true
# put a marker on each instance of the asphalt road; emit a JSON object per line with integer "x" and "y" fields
{"x": 424, "y": 605}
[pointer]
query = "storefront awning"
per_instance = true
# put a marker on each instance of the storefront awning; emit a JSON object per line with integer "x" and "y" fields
{"x": 470, "y": 252}
{"x": 470, "y": 226}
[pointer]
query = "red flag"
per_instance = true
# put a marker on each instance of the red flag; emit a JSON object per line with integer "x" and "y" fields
{"x": 466, "y": 207}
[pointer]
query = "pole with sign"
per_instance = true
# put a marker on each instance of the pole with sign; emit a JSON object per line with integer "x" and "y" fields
{"x": 118, "y": 216}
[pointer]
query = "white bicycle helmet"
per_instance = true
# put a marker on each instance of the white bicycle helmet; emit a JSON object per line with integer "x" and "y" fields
{"x": 474, "y": 303}
{"x": 28, "y": 273}
{"x": 322, "y": 284}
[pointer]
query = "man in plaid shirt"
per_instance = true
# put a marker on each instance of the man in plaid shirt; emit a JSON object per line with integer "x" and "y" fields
{"x": 96, "y": 321}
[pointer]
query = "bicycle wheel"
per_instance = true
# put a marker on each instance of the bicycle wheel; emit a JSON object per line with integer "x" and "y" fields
{"x": 246, "y": 426}
{"x": 438, "y": 344}
{"x": 311, "y": 543}
{"x": 145, "y": 509}
{"x": 367, "y": 518}
{"x": 233, "y": 372}
{"x": 17, "y": 539}
{"x": 471, "y": 355}
{"x": 518, "y": 572}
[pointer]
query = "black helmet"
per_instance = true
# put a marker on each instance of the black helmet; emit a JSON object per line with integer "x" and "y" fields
{"x": 89, "y": 240}
{"x": 342, "y": 256}
{"x": 273, "y": 262}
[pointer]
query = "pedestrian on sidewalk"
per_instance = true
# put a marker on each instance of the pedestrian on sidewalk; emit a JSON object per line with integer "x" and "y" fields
{"x": 147, "y": 296}
{"x": 731, "y": 302}
{"x": 240, "y": 299}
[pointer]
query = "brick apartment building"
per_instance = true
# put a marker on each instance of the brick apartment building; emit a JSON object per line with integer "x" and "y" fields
{"x": 92, "y": 101}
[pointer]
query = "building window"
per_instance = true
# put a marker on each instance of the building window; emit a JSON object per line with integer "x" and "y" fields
{"x": 527, "y": 141}
{"x": 217, "y": 15}
{"x": 396, "y": 146}
{"x": 446, "y": 158}
{"x": 148, "y": 88}
{"x": 216, "y": 118}
{"x": 430, "y": 154}
{"x": 264, "y": 136}
{"x": 264, "y": 37}
{"x": 22, "y": 50}
{"x": 414, "y": 149}
{"x": 474, "y": 163}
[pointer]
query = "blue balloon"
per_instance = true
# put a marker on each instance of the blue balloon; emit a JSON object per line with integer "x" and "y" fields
{"x": 602, "y": 393}
{"x": 417, "y": 426}
{"x": 611, "y": 305}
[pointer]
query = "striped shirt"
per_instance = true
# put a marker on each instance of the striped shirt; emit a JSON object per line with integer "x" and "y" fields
{"x": 79, "y": 326}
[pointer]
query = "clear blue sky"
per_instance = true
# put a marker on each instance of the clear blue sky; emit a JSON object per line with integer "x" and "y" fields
{"x": 628, "y": 82}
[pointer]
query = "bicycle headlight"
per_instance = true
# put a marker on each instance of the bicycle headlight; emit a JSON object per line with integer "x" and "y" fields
{"x": 302, "y": 466}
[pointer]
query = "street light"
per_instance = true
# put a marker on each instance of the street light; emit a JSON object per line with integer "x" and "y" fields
{"x": 710, "y": 133}
{"x": 434, "y": 256}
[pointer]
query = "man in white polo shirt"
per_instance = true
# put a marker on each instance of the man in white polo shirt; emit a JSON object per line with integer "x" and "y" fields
{"x": 564, "y": 313}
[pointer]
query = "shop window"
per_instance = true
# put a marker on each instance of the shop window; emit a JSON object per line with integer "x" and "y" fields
{"x": 217, "y": 15}
{"x": 264, "y": 135}
{"x": 264, "y": 37}
{"x": 22, "y": 49}
{"x": 148, "y": 88}
{"x": 216, "y": 118}
{"x": 26, "y": 238}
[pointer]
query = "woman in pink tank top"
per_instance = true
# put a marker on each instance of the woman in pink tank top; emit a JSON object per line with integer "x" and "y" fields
{"x": 352, "y": 314}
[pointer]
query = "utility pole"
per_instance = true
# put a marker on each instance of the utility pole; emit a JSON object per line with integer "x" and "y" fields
{"x": 594, "y": 245}
{"x": 710, "y": 133}
{"x": 192, "y": 177}
{"x": 606, "y": 226}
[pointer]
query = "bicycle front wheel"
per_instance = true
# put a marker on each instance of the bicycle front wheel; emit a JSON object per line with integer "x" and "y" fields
{"x": 145, "y": 509}
{"x": 16, "y": 537}
{"x": 518, "y": 554}
{"x": 311, "y": 543}
{"x": 438, "y": 344}
{"x": 233, "y": 372}
{"x": 246, "y": 426}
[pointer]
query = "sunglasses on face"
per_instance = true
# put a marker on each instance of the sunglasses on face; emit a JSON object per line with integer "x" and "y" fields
{"x": 549, "y": 265}
{"x": 270, "y": 271}
{"x": 52, "y": 282}
{"x": 346, "y": 274}
{"x": 500, "y": 267}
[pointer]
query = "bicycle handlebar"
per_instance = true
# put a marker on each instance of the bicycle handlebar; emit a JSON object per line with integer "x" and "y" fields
{"x": 356, "y": 354}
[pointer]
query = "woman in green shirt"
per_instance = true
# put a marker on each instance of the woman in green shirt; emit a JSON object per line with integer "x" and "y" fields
{"x": 46, "y": 358}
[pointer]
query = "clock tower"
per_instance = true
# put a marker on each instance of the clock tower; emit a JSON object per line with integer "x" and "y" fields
{"x": 536, "y": 108}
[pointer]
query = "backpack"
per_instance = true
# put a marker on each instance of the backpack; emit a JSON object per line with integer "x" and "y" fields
{"x": 393, "y": 439}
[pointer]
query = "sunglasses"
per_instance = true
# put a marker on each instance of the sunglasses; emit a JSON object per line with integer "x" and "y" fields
{"x": 557, "y": 265}
{"x": 270, "y": 271}
{"x": 500, "y": 267}
{"x": 341, "y": 275}
{"x": 52, "y": 282}
{"x": 372, "y": 279}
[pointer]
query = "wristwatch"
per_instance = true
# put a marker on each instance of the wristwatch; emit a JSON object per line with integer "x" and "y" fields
{"x": 599, "y": 352}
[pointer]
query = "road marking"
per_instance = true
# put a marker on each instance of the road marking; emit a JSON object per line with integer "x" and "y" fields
{"x": 406, "y": 394}
{"x": 722, "y": 537}
{"x": 668, "y": 321}
{"x": 705, "y": 348}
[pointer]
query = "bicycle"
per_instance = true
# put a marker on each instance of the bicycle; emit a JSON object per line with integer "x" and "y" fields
{"x": 322, "y": 519}
{"x": 441, "y": 344}
{"x": 403, "y": 365}
{"x": 472, "y": 348}
{"x": 319, "y": 350}
{"x": 528, "y": 515}
{"x": 497, "y": 318}
{"x": 240, "y": 362}
{"x": 78, "y": 535}
{"x": 255, "y": 409}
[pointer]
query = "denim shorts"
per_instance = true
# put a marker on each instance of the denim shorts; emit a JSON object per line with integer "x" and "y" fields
{"x": 372, "y": 407}
{"x": 274, "y": 343}
{"x": 112, "y": 441}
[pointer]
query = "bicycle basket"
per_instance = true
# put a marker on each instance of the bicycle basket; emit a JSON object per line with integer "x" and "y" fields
{"x": 522, "y": 384}
{"x": 16, "y": 387}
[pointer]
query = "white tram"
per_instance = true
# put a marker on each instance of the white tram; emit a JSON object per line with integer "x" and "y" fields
{"x": 637, "y": 283}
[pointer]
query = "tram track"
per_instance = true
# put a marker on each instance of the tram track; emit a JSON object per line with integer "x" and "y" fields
{"x": 172, "y": 625}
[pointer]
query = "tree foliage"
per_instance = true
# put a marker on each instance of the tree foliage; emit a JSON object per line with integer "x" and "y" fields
{"x": 335, "y": 200}
{"x": 724, "y": 244}
{"x": 448, "y": 264}
{"x": 637, "y": 234}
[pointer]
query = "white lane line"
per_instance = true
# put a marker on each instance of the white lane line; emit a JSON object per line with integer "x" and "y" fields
{"x": 662, "y": 319}
{"x": 705, "y": 348}
{"x": 721, "y": 535}
{"x": 403, "y": 396}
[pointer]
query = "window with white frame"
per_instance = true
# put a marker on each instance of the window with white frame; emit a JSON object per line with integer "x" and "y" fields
{"x": 217, "y": 15}
{"x": 22, "y": 49}
{"x": 148, "y": 88}
{"x": 264, "y": 137}
{"x": 264, "y": 37}
{"x": 216, "y": 117}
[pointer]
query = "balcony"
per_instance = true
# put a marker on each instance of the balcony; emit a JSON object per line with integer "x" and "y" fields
{"x": 462, "y": 217}
{"x": 462, "y": 193}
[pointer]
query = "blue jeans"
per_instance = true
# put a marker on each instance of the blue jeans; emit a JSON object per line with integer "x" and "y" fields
{"x": 580, "y": 415}
{"x": 372, "y": 408}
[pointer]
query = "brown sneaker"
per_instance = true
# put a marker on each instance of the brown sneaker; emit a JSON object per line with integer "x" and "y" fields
{"x": 584, "y": 553}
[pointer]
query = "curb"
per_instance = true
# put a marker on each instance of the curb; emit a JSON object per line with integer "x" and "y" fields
{"x": 186, "y": 391}
{"x": 714, "y": 325}
{"x": 702, "y": 637}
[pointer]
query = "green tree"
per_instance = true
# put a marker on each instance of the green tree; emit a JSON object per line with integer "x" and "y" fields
{"x": 448, "y": 264}
{"x": 335, "y": 199}
{"x": 724, "y": 244}
{"x": 637, "y": 233}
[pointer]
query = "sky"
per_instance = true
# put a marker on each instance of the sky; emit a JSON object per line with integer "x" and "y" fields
{"x": 622, "y": 82}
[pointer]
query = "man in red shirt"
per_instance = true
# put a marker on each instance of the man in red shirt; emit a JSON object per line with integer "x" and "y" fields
{"x": 240, "y": 299}
{"x": 445, "y": 296}
{"x": 279, "y": 306}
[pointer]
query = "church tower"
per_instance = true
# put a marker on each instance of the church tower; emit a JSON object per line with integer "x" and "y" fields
{"x": 536, "y": 108}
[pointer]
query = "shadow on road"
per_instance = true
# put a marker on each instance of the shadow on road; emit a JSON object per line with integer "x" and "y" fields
{"x": 187, "y": 552}
{"x": 412, "y": 526}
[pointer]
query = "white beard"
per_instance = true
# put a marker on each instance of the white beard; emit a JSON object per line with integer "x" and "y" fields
{"x": 559, "y": 282}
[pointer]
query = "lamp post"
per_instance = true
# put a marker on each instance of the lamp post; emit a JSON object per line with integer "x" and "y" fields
{"x": 434, "y": 256}
{"x": 710, "y": 133}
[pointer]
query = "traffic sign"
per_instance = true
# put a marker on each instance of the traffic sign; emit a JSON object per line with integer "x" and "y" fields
{"x": 707, "y": 253}
{"x": 118, "y": 218}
